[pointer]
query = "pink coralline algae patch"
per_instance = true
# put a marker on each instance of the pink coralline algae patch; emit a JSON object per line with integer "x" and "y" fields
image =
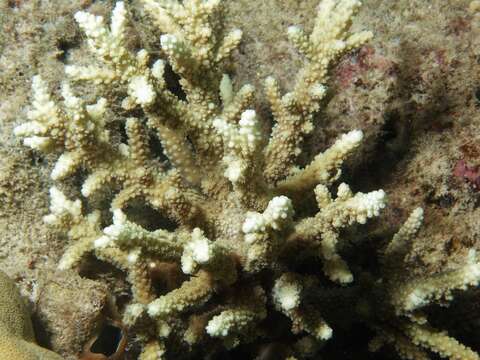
{"x": 350, "y": 70}
{"x": 470, "y": 174}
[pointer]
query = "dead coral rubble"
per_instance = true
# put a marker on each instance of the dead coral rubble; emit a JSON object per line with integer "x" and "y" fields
{"x": 235, "y": 194}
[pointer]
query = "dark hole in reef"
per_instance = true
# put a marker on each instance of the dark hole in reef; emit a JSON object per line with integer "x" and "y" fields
{"x": 13, "y": 3}
{"x": 153, "y": 140}
{"x": 173, "y": 83}
{"x": 391, "y": 129}
{"x": 108, "y": 341}
{"x": 350, "y": 344}
{"x": 41, "y": 334}
{"x": 443, "y": 201}
{"x": 157, "y": 149}
{"x": 36, "y": 159}
{"x": 118, "y": 128}
{"x": 308, "y": 266}
{"x": 257, "y": 351}
{"x": 136, "y": 112}
{"x": 391, "y": 147}
{"x": 189, "y": 141}
{"x": 147, "y": 217}
{"x": 361, "y": 251}
{"x": 63, "y": 46}
{"x": 394, "y": 136}
{"x": 461, "y": 318}
{"x": 477, "y": 97}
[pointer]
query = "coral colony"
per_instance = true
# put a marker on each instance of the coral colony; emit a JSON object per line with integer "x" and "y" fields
{"x": 233, "y": 191}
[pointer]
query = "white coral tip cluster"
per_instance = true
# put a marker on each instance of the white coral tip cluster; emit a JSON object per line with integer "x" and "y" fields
{"x": 63, "y": 166}
{"x": 102, "y": 242}
{"x": 352, "y": 137}
{"x": 325, "y": 332}
{"x": 112, "y": 232}
{"x": 278, "y": 212}
{"x": 169, "y": 42}
{"x": 368, "y": 205}
{"x": 294, "y": 30}
{"x": 60, "y": 206}
{"x": 286, "y": 293}
{"x": 91, "y": 24}
{"x": 249, "y": 129}
{"x": 29, "y": 128}
{"x": 158, "y": 69}
{"x": 472, "y": 271}
{"x": 216, "y": 327}
{"x": 118, "y": 19}
{"x": 37, "y": 142}
{"x": 201, "y": 248}
{"x": 417, "y": 218}
{"x": 133, "y": 256}
{"x": 254, "y": 223}
{"x": 141, "y": 90}
{"x": 154, "y": 308}
{"x": 228, "y": 321}
{"x": 244, "y": 138}
{"x": 198, "y": 251}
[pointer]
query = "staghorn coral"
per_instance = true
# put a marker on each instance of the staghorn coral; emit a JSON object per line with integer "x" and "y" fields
{"x": 17, "y": 340}
{"x": 398, "y": 318}
{"x": 239, "y": 203}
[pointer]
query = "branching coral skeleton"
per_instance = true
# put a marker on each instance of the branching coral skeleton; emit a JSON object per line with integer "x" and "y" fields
{"x": 231, "y": 189}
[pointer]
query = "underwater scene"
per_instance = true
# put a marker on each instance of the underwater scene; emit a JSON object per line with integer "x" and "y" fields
{"x": 239, "y": 179}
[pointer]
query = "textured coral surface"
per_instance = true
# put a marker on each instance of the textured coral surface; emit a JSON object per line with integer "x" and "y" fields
{"x": 17, "y": 340}
{"x": 412, "y": 90}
